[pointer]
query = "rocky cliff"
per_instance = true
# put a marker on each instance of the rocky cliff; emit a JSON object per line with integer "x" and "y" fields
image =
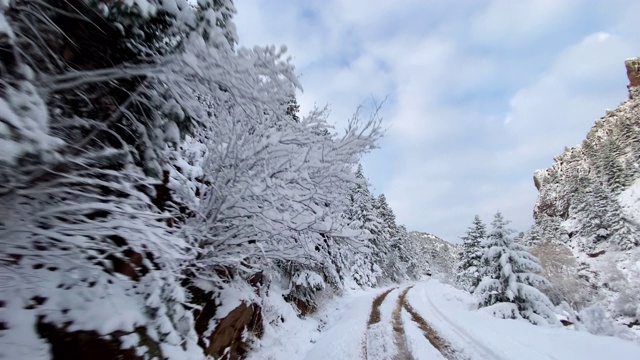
{"x": 588, "y": 206}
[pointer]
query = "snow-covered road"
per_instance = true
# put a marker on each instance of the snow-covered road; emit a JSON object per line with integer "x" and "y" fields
{"x": 391, "y": 332}
{"x": 426, "y": 320}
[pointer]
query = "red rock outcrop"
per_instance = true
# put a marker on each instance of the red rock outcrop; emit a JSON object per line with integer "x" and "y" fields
{"x": 633, "y": 71}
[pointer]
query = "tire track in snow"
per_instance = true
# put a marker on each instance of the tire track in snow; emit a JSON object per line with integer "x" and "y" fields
{"x": 480, "y": 349}
{"x": 434, "y": 338}
{"x": 374, "y": 317}
{"x": 487, "y": 353}
{"x": 398, "y": 329}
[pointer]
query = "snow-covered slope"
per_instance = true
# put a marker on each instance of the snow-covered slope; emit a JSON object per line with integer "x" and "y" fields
{"x": 441, "y": 254}
{"x": 630, "y": 202}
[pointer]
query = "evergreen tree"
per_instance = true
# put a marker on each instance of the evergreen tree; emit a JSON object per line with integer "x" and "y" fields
{"x": 386, "y": 214}
{"x": 509, "y": 279}
{"x": 394, "y": 265}
{"x": 469, "y": 266}
{"x": 614, "y": 174}
{"x": 624, "y": 233}
{"x": 589, "y": 210}
{"x": 362, "y": 215}
{"x": 362, "y": 212}
{"x": 415, "y": 264}
{"x": 531, "y": 236}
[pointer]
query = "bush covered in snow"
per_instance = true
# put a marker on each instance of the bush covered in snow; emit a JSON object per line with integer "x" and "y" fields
{"x": 595, "y": 320}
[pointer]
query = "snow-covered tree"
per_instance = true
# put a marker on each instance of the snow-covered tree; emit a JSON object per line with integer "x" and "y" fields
{"x": 92, "y": 118}
{"x": 615, "y": 175}
{"x": 531, "y": 237}
{"x": 387, "y": 216}
{"x": 275, "y": 188}
{"x": 468, "y": 269}
{"x": 589, "y": 214}
{"x": 145, "y": 156}
{"x": 624, "y": 232}
{"x": 148, "y": 162}
{"x": 363, "y": 216}
{"x": 414, "y": 259}
{"x": 395, "y": 265}
{"x": 509, "y": 279}
{"x": 597, "y": 217}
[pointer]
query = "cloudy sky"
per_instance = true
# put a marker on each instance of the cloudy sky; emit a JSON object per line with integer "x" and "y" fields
{"x": 480, "y": 93}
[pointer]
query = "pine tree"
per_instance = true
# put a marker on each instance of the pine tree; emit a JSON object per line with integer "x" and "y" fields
{"x": 394, "y": 265}
{"x": 624, "y": 233}
{"x": 509, "y": 279}
{"x": 469, "y": 266}
{"x": 589, "y": 209}
{"x": 531, "y": 237}
{"x": 415, "y": 264}
{"x": 386, "y": 214}
{"x": 615, "y": 176}
{"x": 362, "y": 212}
{"x": 362, "y": 215}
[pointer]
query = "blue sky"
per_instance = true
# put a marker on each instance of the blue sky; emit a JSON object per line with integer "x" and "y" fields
{"x": 480, "y": 93}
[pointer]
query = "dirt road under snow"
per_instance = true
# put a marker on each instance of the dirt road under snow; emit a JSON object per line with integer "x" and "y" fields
{"x": 386, "y": 336}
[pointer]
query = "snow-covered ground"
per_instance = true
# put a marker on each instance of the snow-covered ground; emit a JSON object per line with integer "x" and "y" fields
{"x": 481, "y": 336}
{"x": 337, "y": 331}
{"x": 340, "y": 330}
{"x": 630, "y": 202}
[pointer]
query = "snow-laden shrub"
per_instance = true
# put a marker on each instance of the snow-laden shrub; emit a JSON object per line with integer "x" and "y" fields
{"x": 503, "y": 310}
{"x": 308, "y": 279}
{"x": 24, "y": 124}
{"x": 627, "y": 303}
{"x": 597, "y": 322}
{"x": 560, "y": 268}
{"x": 303, "y": 289}
{"x": 564, "y": 310}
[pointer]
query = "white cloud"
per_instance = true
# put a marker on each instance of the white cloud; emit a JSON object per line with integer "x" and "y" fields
{"x": 481, "y": 93}
{"x": 585, "y": 79}
{"x": 507, "y": 23}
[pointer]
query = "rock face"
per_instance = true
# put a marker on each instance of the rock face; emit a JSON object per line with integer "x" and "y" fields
{"x": 633, "y": 71}
{"x": 227, "y": 340}
{"x": 589, "y": 201}
{"x": 611, "y": 147}
{"x": 228, "y": 335}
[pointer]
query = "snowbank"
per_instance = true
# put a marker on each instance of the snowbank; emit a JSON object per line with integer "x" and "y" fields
{"x": 480, "y": 336}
